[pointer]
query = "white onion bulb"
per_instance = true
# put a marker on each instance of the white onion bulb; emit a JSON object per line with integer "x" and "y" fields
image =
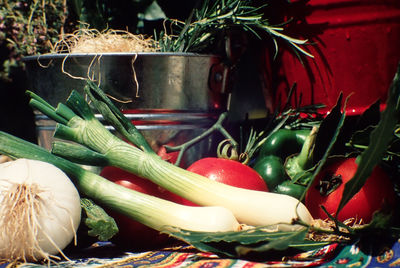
{"x": 40, "y": 210}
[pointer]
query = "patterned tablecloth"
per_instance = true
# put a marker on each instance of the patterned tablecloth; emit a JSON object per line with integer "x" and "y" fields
{"x": 334, "y": 255}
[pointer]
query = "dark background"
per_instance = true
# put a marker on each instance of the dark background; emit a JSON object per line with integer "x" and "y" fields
{"x": 16, "y": 117}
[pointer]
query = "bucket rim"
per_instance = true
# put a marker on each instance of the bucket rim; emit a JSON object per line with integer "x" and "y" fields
{"x": 118, "y": 54}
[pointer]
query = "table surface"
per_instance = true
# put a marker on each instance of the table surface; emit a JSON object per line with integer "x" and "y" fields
{"x": 182, "y": 255}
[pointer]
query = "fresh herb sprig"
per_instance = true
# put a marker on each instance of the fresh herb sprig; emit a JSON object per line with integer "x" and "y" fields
{"x": 213, "y": 19}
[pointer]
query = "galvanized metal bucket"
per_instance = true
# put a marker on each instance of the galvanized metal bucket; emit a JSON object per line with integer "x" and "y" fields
{"x": 170, "y": 97}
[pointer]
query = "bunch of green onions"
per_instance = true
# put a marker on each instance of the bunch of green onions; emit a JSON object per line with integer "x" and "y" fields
{"x": 222, "y": 207}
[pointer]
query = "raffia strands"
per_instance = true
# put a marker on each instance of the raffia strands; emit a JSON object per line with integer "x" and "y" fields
{"x": 329, "y": 225}
{"x": 94, "y": 41}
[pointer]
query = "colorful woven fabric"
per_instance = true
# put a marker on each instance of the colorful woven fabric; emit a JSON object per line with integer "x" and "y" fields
{"x": 334, "y": 255}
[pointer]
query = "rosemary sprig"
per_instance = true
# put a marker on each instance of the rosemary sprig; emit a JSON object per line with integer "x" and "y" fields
{"x": 215, "y": 18}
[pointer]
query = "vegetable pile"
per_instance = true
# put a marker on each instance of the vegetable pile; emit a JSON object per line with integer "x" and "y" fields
{"x": 222, "y": 216}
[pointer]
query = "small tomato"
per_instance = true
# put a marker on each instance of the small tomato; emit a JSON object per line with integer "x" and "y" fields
{"x": 229, "y": 172}
{"x": 377, "y": 189}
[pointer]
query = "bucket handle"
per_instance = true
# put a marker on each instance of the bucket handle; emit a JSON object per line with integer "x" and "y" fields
{"x": 218, "y": 78}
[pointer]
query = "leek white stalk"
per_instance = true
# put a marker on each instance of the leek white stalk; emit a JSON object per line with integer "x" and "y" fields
{"x": 149, "y": 210}
{"x": 255, "y": 208}
{"x": 158, "y": 213}
{"x": 250, "y": 207}
{"x": 79, "y": 124}
{"x": 40, "y": 210}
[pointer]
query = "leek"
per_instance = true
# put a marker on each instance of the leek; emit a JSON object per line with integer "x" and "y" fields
{"x": 149, "y": 210}
{"x": 253, "y": 208}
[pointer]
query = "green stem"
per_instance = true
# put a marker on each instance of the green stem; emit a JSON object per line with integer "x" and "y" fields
{"x": 78, "y": 104}
{"x": 298, "y": 167}
{"x": 163, "y": 173}
{"x": 151, "y": 211}
{"x": 216, "y": 127}
{"x": 78, "y": 154}
{"x": 304, "y": 159}
{"x": 65, "y": 112}
{"x": 357, "y": 146}
{"x": 64, "y": 132}
{"x": 38, "y": 98}
{"x": 46, "y": 110}
{"x": 115, "y": 117}
{"x": 62, "y": 114}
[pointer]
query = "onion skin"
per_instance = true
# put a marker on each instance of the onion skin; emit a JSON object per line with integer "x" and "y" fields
{"x": 45, "y": 218}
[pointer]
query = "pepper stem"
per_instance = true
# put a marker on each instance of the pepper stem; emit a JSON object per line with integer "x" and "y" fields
{"x": 296, "y": 166}
{"x": 305, "y": 157}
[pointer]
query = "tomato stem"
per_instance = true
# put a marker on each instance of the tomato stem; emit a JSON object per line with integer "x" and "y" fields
{"x": 216, "y": 127}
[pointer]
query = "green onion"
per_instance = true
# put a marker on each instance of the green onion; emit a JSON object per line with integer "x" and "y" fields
{"x": 151, "y": 211}
{"x": 254, "y": 208}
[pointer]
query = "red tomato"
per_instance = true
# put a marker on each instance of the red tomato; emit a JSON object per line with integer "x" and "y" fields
{"x": 377, "y": 189}
{"x": 132, "y": 233}
{"x": 228, "y": 172}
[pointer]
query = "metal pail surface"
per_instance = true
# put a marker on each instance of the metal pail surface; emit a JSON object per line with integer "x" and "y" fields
{"x": 159, "y": 129}
{"x": 170, "y": 97}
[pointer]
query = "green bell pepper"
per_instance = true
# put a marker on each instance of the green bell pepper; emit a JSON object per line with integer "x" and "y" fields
{"x": 271, "y": 169}
{"x": 284, "y": 142}
{"x": 297, "y": 167}
{"x": 273, "y": 153}
{"x": 290, "y": 188}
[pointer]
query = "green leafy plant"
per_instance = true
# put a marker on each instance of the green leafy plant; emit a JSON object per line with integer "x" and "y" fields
{"x": 33, "y": 27}
{"x": 214, "y": 20}
{"x": 29, "y": 27}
